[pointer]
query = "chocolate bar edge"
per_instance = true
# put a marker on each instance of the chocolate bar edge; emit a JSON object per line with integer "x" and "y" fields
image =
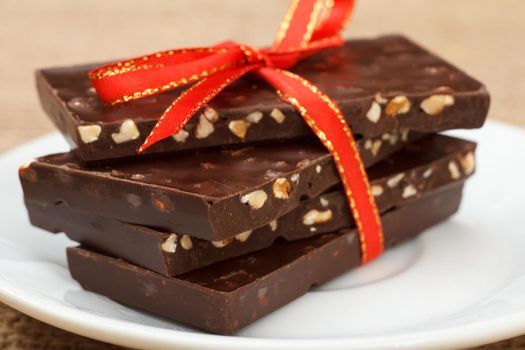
{"x": 119, "y": 239}
{"x": 477, "y": 101}
{"x": 200, "y": 228}
{"x": 226, "y": 312}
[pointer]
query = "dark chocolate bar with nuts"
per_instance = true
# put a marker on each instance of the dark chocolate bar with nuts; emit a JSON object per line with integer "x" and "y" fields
{"x": 226, "y": 296}
{"x": 212, "y": 195}
{"x": 381, "y": 84}
{"x": 171, "y": 254}
{"x": 215, "y": 195}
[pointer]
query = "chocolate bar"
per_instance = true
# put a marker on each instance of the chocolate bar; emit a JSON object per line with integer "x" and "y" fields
{"x": 171, "y": 254}
{"x": 215, "y": 195}
{"x": 226, "y": 296}
{"x": 380, "y": 84}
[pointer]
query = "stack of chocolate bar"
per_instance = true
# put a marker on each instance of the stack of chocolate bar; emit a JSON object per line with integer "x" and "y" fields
{"x": 243, "y": 210}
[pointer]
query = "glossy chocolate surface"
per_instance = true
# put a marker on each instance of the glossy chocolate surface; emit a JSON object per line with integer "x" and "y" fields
{"x": 229, "y": 295}
{"x": 360, "y": 73}
{"x": 144, "y": 191}
{"x": 166, "y": 196}
{"x": 395, "y": 183}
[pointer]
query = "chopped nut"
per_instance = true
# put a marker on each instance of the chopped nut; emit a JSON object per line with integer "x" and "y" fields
{"x": 368, "y": 144}
{"x": 454, "y": 170}
{"x": 324, "y": 202}
{"x": 393, "y": 139}
{"x": 374, "y": 113}
{"x": 315, "y": 216}
{"x": 395, "y": 180}
{"x": 313, "y": 229}
{"x": 204, "y": 128}
{"x": 375, "y": 147}
{"x": 409, "y": 191}
{"x": 239, "y": 128}
{"x": 281, "y": 188}
{"x": 318, "y": 168}
{"x": 303, "y": 163}
{"x": 254, "y": 117}
{"x": 377, "y": 190}
{"x": 271, "y": 174}
{"x": 435, "y": 104}
{"x": 117, "y": 173}
{"x": 161, "y": 202}
{"x": 273, "y": 225}
{"x": 242, "y": 237}
{"x": 208, "y": 165}
{"x": 380, "y": 99}
{"x": 211, "y": 114}
{"x": 170, "y": 244}
{"x": 262, "y": 296}
{"x": 427, "y": 173}
{"x": 397, "y": 105}
{"x": 277, "y": 115}
{"x": 255, "y": 199}
{"x": 443, "y": 89}
{"x": 295, "y": 178}
{"x": 185, "y": 242}
{"x": 468, "y": 163}
{"x": 404, "y": 134}
{"x": 386, "y": 136}
{"x": 181, "y": 136}
{"x": 134, "y": 200}
{"x": 128, "y": 132}
{"x": 89, "y": 133}
{"x": 221, "y": 244}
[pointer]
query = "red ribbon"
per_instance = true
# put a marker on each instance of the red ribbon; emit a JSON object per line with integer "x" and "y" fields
{"x": 308, "y": 27}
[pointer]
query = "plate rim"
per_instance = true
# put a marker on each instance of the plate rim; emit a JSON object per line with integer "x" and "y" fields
{"x": 134, "y": 335}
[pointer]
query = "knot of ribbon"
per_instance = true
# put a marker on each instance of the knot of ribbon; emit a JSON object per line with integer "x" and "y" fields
{"x": 308, "y": 27}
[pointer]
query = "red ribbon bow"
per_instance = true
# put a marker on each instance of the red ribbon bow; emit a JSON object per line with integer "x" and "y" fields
{"x": 308, "y": 27}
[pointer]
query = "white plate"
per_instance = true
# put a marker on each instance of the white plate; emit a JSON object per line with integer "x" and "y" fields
{"x": 460, "y": 284}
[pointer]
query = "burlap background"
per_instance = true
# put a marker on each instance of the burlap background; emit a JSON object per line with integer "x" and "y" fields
{"x": 483, "y": 36}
